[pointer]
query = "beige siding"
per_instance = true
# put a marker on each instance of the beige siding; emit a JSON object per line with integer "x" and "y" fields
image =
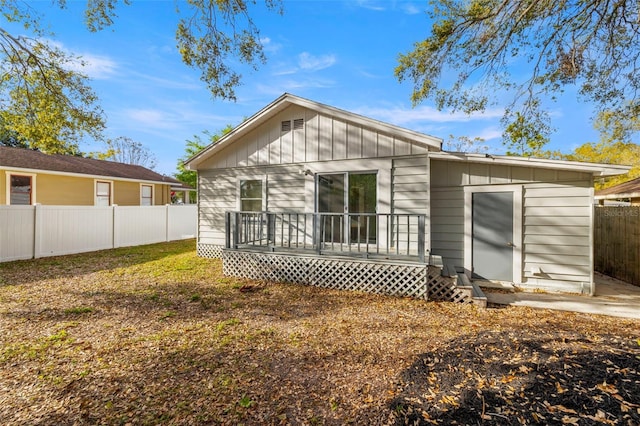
{"x": 447, "y": 225}
{"x": 556, "y": 225}
{"x": 219, "y": 194}
{"x": 322, "y": 138}
{"x": 557, "y": 230}
{"x": 454, "y": 173}
{"x": 410, "y": 188}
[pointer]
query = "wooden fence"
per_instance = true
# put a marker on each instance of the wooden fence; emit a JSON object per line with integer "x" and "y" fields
{"x": 39, "y": 231}
{"x": 616, "y": 234}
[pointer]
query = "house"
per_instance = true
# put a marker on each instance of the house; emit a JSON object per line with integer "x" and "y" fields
{"x": 305, "y": 192}
{"x": 32, "y": 177}
{"x": 624, "y": 192}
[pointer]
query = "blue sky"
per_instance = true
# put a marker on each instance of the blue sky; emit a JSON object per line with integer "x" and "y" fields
{"x": 337, "y": 52}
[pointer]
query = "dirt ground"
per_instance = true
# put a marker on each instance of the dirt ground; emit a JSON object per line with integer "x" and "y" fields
{"x": 155, "y": 335}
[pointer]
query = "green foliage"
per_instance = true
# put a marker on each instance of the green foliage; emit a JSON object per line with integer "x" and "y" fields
{"x": 525, "y": 137}
{"x": 466, "y": 144}
{"x": 477, "y": 49}
{"x": 214, "y": 35}
{"x": 45, "y": 104}
{"x": 193, "y": 147}
{"x": 614, "y": 147}
{"x": 52, "y": 108}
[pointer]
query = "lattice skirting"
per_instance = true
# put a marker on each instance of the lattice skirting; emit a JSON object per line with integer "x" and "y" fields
{"x": 445, "y": 289}
{"x": 211, "y": 251}
{"x": 397, "y": 279}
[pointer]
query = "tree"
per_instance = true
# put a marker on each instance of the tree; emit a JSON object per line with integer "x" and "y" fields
{"x": 614, "y": 147}
{"x": 212, "y": 36}
{"x": 11, "y": 138}
{"x": 43, "y": 101}
{"x": 193, "y": 147}
{"x": 125, "y": 150}
{"x": 476, "y": 48}
{"x": 466, "y": 144}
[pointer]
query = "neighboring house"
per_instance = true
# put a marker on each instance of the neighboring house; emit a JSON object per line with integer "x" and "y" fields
{"x": 624, "y": 192}
{"x": 306, "y": 192}
{"x": 31, "y": 177}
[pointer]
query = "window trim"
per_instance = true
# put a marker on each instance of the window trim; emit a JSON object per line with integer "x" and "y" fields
{"x": 95, "y": 190}
{"x": 240, "y": 179}
{"x": 153, "y": 193}
{"x": 32, "y": 195}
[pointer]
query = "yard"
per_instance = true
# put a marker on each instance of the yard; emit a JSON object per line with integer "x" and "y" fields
{"x": 155, "y": 335}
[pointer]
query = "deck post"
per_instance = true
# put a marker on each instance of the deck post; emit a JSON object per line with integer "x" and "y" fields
{"x": 227, "y": 230}
{"x": 421, "y": 238}
{"x": 316, "y": 232}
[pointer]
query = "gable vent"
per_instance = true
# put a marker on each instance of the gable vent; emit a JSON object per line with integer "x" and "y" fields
{"x": 298, "y": 124}
{"x": 285, "y": 126}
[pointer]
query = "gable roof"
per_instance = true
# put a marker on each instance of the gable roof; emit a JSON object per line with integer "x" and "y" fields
{"x": 30, "y": 160}
{"x": 629, "y": 189}
{"x": 433, "y": 143}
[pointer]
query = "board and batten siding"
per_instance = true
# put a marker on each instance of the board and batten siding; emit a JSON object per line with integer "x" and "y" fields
{"x": 218, "y": 190}
{"x": 556, "y": 228}
{"x": 320, "y": 138}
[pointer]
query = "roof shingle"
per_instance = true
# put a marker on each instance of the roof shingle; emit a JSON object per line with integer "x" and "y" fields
{"x": 29, "y": 159}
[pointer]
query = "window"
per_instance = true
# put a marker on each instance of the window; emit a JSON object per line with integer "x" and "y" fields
{"x": 21, "y": 190}
{"x": 146, "y": 195}
{"x": 103, "y": 193}
{"x": 251, "y": 192}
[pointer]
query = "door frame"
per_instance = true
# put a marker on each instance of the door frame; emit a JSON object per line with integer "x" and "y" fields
{"x": 517, "y": 226}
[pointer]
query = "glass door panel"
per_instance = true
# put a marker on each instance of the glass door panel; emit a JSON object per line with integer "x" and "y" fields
{"x": 331, "y": 199}
{"x": 362, "y": 202}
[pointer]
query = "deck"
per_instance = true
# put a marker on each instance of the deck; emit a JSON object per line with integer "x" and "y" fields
{"x": 375, "y": 253}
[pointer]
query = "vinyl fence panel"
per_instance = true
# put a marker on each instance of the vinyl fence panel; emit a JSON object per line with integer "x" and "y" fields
{"x": 38, "y": 231}
{"x": 136, "y": 226}
{"x": 72, "y": 229}
{"x": 182, "y": 222}
{"x": 17, "y": 230}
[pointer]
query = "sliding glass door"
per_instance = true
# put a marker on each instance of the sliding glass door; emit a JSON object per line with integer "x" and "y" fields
{"x": 349, "y": 201}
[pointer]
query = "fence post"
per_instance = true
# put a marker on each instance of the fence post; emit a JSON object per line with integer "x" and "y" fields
{"x": 115, "y": 235}
{"x": 166, "y": 223}
{"x": 37, "y": 230}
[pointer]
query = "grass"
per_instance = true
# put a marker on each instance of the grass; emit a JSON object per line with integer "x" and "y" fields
{"x": 156, "y": 335}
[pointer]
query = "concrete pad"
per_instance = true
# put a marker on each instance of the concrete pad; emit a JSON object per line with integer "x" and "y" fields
{"x": 613, "y": 297}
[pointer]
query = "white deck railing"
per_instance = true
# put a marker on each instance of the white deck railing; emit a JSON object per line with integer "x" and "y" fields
{"x": 38, "y": 231}
{"x": 362, "y": 235}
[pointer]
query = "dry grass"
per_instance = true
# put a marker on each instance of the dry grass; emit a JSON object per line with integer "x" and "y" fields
{"x": 155, "y": 335}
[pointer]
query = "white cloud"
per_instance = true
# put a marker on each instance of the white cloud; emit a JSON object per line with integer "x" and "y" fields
{"x": 371, "y": 5}
{"x": 403, "y": 116}
{"x": 98, "y": 67}
{"x": 309, "y": 62}
{"x": 410, "y": 9}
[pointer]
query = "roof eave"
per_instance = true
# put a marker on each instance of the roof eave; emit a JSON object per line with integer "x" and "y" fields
{"x": 600, "y": 170}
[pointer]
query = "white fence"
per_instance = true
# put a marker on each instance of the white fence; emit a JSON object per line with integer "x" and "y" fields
{"x": 38, "y": 231}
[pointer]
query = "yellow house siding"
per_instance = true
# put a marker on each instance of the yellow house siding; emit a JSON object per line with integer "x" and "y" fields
{"x": 126, "y": 193}
{"x": 64, "y": 190}
{"x": 3, "y": 186}
{"x": 69, "y": 190}
{"x": 162, "y": 195}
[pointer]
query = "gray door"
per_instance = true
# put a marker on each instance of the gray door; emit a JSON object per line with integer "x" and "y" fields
{"x": 492, "y": 255}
